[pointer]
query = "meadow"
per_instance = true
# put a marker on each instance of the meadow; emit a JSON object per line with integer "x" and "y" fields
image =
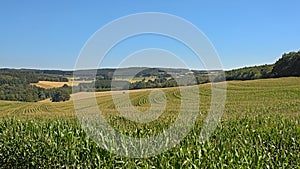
{"x": 260, "y": 128}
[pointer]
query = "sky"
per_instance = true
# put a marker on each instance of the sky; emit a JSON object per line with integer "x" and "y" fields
{"x": 50, "y": 34}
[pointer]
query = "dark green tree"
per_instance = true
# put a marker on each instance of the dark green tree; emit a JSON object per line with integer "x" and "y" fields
{"x": 287, "y": 65}
{"x": 60, "y": 95}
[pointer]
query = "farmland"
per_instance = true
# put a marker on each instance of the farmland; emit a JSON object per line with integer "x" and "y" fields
{"x": 49, "y": 85}
{"x": 260, "y": 128}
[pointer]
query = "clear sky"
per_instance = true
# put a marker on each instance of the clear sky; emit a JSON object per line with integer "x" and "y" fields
{"x": 50, "y": 34}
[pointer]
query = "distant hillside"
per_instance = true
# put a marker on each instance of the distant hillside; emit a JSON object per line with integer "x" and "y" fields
{"x": 287, "y": 65}
{"x": 37, "y": 71}
{"x": 15, "y": 84}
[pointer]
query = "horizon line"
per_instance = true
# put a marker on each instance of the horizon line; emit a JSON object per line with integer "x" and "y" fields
{"x": 62, "y": 69}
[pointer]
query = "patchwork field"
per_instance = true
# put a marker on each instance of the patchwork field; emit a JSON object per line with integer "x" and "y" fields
{"x": 260, "y": 128}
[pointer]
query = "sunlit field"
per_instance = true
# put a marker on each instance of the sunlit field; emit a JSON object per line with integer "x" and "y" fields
{"x": 49, "y": 85}
{"x": 260, "y": 128}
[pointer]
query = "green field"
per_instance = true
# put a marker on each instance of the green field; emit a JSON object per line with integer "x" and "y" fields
{"x": 260, "y": 128}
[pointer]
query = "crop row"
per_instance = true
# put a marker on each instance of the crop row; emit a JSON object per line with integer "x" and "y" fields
{"x": 256, "y": 142}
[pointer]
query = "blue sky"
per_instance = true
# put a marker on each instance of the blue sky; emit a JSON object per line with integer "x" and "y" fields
{"x": 50, "y": 34}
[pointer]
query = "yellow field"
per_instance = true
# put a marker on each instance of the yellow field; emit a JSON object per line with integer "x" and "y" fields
{"x": 48, "y": 84}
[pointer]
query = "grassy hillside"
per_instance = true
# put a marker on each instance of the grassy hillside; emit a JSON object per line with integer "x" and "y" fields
{"x": 260, "y": 128}
{"x": 280, "y": 93}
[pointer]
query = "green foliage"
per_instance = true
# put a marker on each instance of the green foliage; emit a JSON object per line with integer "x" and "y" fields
{"x": 20, "y": 92}
{"x": 256, "y": 142}
{"x": 61, "y": 94}
{"x": 287, "y": 65}
{"x": 29, "y": 76}
{"x": 104, "y": 85}
{"x": 250, "y": 73}
{"x": 156, "y": 83}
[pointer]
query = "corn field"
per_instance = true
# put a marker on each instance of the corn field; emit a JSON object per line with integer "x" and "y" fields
{"x": 260, "y": 128}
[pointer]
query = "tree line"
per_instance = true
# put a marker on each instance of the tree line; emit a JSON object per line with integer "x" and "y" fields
{"x": 287, "y": 65}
